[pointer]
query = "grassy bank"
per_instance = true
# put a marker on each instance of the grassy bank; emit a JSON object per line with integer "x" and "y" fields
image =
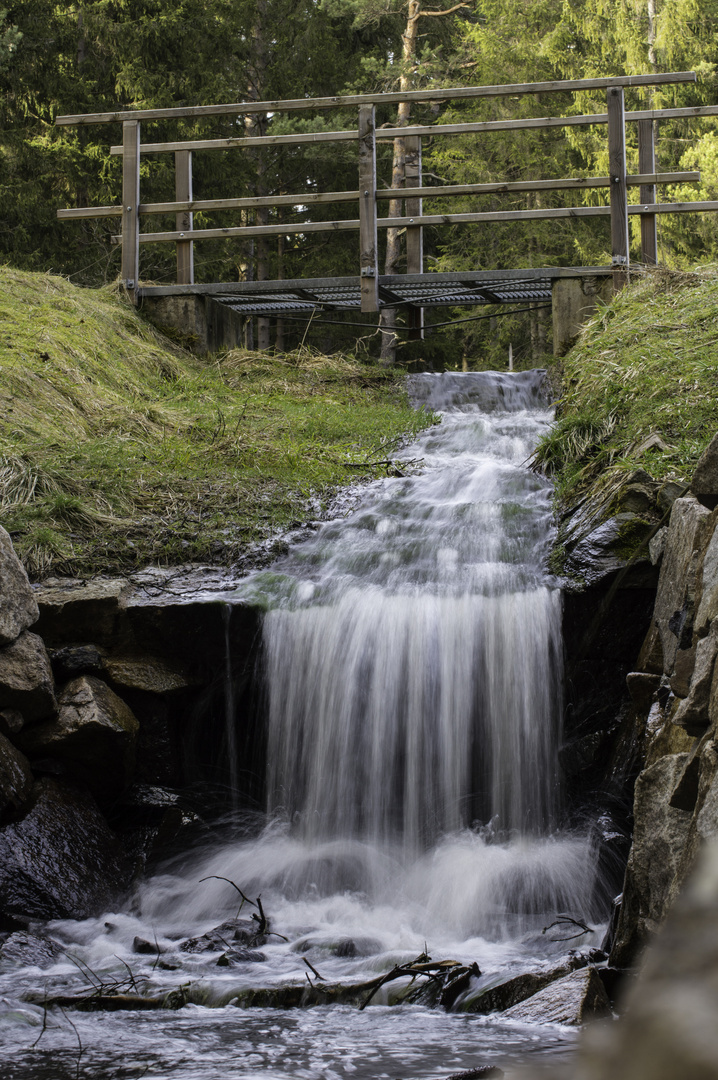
{"x": 118, "y": 448}
{"x": 640, "y": 389}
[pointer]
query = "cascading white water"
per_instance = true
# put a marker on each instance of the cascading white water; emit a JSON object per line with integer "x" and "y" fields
{"x": 413, "y": 664}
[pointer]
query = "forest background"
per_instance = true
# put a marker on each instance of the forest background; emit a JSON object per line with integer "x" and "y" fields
{"x": 98, "y": 55}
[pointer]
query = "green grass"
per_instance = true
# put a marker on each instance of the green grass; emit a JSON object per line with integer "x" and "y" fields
{"x": 640, "y": 389}
{"x": 119, "y": 449}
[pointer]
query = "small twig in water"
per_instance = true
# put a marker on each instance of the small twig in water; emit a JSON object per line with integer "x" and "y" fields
{"x": 79, "y": 1041}
{"x": 312, "y": 968}
{"x": 44, "y": 1023}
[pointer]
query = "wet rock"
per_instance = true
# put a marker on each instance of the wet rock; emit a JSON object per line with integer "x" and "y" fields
{"x": 26, "y": 682}
{"x": 93, "y": 736}
{"x": 504, "y": 995}
{"x": 693, "y": 712}
{"x": 660, "y": 834}
{"x": 146, "y": 948}
{"x": 72, "y": 610}
{"x": 145, "y": 673}
{"x": 18, "y": 609}
{"x": 675, "y": 600}
{"x": 704, "y": 483}
{"x": 30, "y": 950}
{"x": 233, "y": 957}
{"x": 16, "y": 778}
{"x": 606, "y": 547}
{"x": 226, "y": 936}
{"x": 60, "y": 861}
{"x": 76, "y": 660}
{"x": 574, "y": 999}
{"x": 10, "y": 721}
{"x": 344, "y": 947}
{"x": 642, "y": 686}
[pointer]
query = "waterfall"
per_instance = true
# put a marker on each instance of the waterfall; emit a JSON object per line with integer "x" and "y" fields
{"x": 413, "y": 665}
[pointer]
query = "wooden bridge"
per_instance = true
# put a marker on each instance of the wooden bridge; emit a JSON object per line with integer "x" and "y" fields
{"x": 369, "y": 290}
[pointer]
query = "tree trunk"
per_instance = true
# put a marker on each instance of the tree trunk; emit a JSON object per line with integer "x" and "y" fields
{"x": 387, "y": 319}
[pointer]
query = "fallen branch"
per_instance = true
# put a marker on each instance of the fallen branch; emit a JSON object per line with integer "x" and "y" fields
{"x": 568, "y": 920}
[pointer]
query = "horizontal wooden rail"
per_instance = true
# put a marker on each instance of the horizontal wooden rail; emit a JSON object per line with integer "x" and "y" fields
{"x": 389, "y": 133}
{"x": 446, "y": 192}
{"x": 352, "y": 225}
{"x": 346, "y": 101}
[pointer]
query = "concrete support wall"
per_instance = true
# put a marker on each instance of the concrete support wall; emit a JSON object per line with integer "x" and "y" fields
{"x": 574, "y": 301}
{"x": 206, "y": 325}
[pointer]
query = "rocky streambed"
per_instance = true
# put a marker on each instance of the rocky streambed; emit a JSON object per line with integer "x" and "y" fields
{"x": 116, "y": 754}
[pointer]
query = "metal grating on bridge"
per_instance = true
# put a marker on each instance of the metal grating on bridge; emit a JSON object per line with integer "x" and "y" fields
{"x": 394, "y": 292}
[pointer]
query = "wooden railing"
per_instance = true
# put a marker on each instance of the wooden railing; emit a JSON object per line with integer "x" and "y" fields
{"x": 368, "y": 196}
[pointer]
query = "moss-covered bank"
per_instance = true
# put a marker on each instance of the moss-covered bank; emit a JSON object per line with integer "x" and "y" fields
{"x": 640, "y": 388}
{"x": 118, "y": 448}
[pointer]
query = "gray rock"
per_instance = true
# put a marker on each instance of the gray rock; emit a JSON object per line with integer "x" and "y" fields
{"x": 504, "y": 995}
{"x": 30, "y": 950}
{"x": 10, "y": 721}
{"x": 642, "y": 686}
{"x": 576, "y": 998}
{"x": 93, "y": 735}
{"x": 660, "y": 834}
{"x": 16, "y": 779}
{"x": 60, "y": 861}
{"x": 693, "y": 712}
{"x": 144, "y": 673}
{"x": 668, "y": 493}
{"x": 708, "y": 602}
{"x": 72, "y": 611}
{"x": 675, "y": 600}
{"x": 229, "y": 935}
{"x": 26, "y": 682}
{"x": 657, "y": 545}
{"x": 18, "y": 607}
{"x": 704, "y": 483}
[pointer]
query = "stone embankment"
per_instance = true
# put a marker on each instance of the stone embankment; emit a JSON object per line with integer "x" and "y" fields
{"x": 667, "y": 1028}
{"x": 111, "y": 706}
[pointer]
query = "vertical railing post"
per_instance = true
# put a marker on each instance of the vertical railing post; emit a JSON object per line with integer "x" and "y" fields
{"x": 183, "y": 218}
{"x": 414, "y": 233}
{"x": 647, "y": 164}
{"x": 368, "y": 247}
{"x": 619, "y": 190}
{"x": 130, "y": 271}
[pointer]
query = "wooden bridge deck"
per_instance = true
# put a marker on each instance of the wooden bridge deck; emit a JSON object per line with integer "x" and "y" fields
{"x": 305, "y": 295}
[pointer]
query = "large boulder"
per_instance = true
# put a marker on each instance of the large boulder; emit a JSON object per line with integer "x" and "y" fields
{"x": 60, "y": 861}
{"x": 676, "y": 598}
{"x": 26, "y": 682}
{"x": 660, "y": 834}
{"x": 18, "y": 607}
{"x": 576, "y": 998}
{"x": 93, "y": 735}
{"x": 15, "y": 777}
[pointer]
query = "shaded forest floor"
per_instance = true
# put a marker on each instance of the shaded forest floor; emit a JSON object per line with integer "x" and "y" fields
{"x": 119, "y": 449}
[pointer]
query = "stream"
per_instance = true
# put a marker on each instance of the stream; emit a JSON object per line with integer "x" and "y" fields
{"x": 411, "y": 667}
